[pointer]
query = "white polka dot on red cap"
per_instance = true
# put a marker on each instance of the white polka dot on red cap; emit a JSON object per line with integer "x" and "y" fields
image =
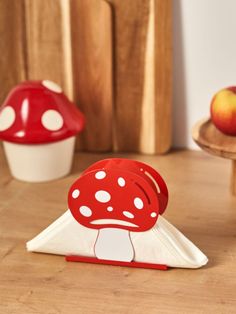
{"x": 102, "y": 196}
{"x": 128, "y": 214}
{"x": 85, "y": 211}
{"x": 75, "y": 193}
{"x": 121, "y": 181}
{"x": 52, "y": 120}
{"x": 52, "y": 86}
{"x": 100, "y": 175}
{"x": 138, "y": 203}
{"x": 7, "y": 118}
{"x": 110, "y": 208}
{"x": 153, "y": 215}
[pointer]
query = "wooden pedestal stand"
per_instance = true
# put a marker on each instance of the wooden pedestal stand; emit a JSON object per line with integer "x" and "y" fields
{"x": 210, "y": 139}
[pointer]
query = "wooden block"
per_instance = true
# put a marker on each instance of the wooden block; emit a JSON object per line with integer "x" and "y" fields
{"x": 13, "y": 65}
{"x": 130, "y": 27}
{"x": 163, "y": 75}
{"x": 48, "y": 42}
{"x": 142, "y": 75}
{"x": 91, "y": 26}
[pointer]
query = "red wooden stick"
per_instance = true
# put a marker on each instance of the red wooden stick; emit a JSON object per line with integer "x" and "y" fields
{"x": 84, "y": 259}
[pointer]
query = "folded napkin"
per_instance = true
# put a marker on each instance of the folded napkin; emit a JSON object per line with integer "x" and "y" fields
{"x": 162, "y": 244}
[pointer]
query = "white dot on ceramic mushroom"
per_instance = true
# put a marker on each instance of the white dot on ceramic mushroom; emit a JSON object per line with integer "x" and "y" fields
{"x": 52, "y": 120}
{"x": 121, "y": 182}
{"x": 100, "y": 175}
{"x": 85, "y": 211}
{"x": 138, "y": 203}
{"x": 20, "y": 133}
{"x": 153, "y": 215}
{"x": 52, "y": 86}
{"x": 7, "y": 118}
{"x": 102, "y": 196}
{"x": 75, "y": 193}
{"x": 110, "y": 209}
{"x": 128, "y": 214}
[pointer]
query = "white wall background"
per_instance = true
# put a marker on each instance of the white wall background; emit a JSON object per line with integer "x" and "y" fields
{"x": 204, "y": 59}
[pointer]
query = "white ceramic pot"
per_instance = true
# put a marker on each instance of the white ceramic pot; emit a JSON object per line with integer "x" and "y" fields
{"x": 41, "y": 162}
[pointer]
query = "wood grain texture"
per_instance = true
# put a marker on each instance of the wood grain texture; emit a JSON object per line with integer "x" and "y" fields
{"x": 143, "y": 74}
{"x": 233, "y": 178}
{"x": 210, "y": 139}
{"x": 13, "y": 63}
{"x": 45, "y": 33}
{"x": 200, "y": 206}
{"x": 163, "y": 75}
{"x": 147, "y": 128}
{"x": 157, "y": 93}
{"x": 91, "y": 25}
{"x": 130, "y": 33}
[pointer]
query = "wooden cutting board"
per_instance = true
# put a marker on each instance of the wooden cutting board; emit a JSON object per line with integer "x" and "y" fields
{"x": 70, "y": 42}
{"x": 90, "y": 48}
{"x": 45, "y": 29}
{"x": 143, "y": 75}
{"x": 91, "y": 29}
{"x": 12, "y": 46}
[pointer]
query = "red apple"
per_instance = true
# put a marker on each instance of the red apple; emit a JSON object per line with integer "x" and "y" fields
{"x": 223, "y": 110}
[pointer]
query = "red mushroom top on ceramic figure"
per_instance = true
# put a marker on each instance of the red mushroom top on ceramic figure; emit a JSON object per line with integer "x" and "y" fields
{"x": 38, "y": 112}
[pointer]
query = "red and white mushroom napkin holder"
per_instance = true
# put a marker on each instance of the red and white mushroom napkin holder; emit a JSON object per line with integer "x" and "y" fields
{"x": 115, "y": 217}
{"x": 38, "y": 124}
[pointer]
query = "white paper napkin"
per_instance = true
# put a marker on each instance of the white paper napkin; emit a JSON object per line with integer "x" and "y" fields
{"x": 163, "y": 244}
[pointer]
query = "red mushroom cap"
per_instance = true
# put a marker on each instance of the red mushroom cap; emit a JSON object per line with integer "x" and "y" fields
{"x": 141, "y": 169}
{"x": 38, "y": 112}
{"x": 114, "y": 198}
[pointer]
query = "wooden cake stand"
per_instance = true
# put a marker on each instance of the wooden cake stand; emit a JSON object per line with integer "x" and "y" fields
{"x": 210, "y": 139}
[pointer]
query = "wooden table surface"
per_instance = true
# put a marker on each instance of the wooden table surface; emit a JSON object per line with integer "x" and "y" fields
{"x": 200, "y": 206}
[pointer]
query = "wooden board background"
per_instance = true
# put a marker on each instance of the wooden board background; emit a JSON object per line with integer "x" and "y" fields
{"x": 113, "y": 58}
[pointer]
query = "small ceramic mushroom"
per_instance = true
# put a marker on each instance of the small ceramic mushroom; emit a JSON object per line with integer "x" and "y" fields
{"x": 38, "y": 125}
{"x": 117, "y": 196}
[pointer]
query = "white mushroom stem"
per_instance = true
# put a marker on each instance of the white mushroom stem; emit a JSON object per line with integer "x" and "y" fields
{"x": 114, "y": 244}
